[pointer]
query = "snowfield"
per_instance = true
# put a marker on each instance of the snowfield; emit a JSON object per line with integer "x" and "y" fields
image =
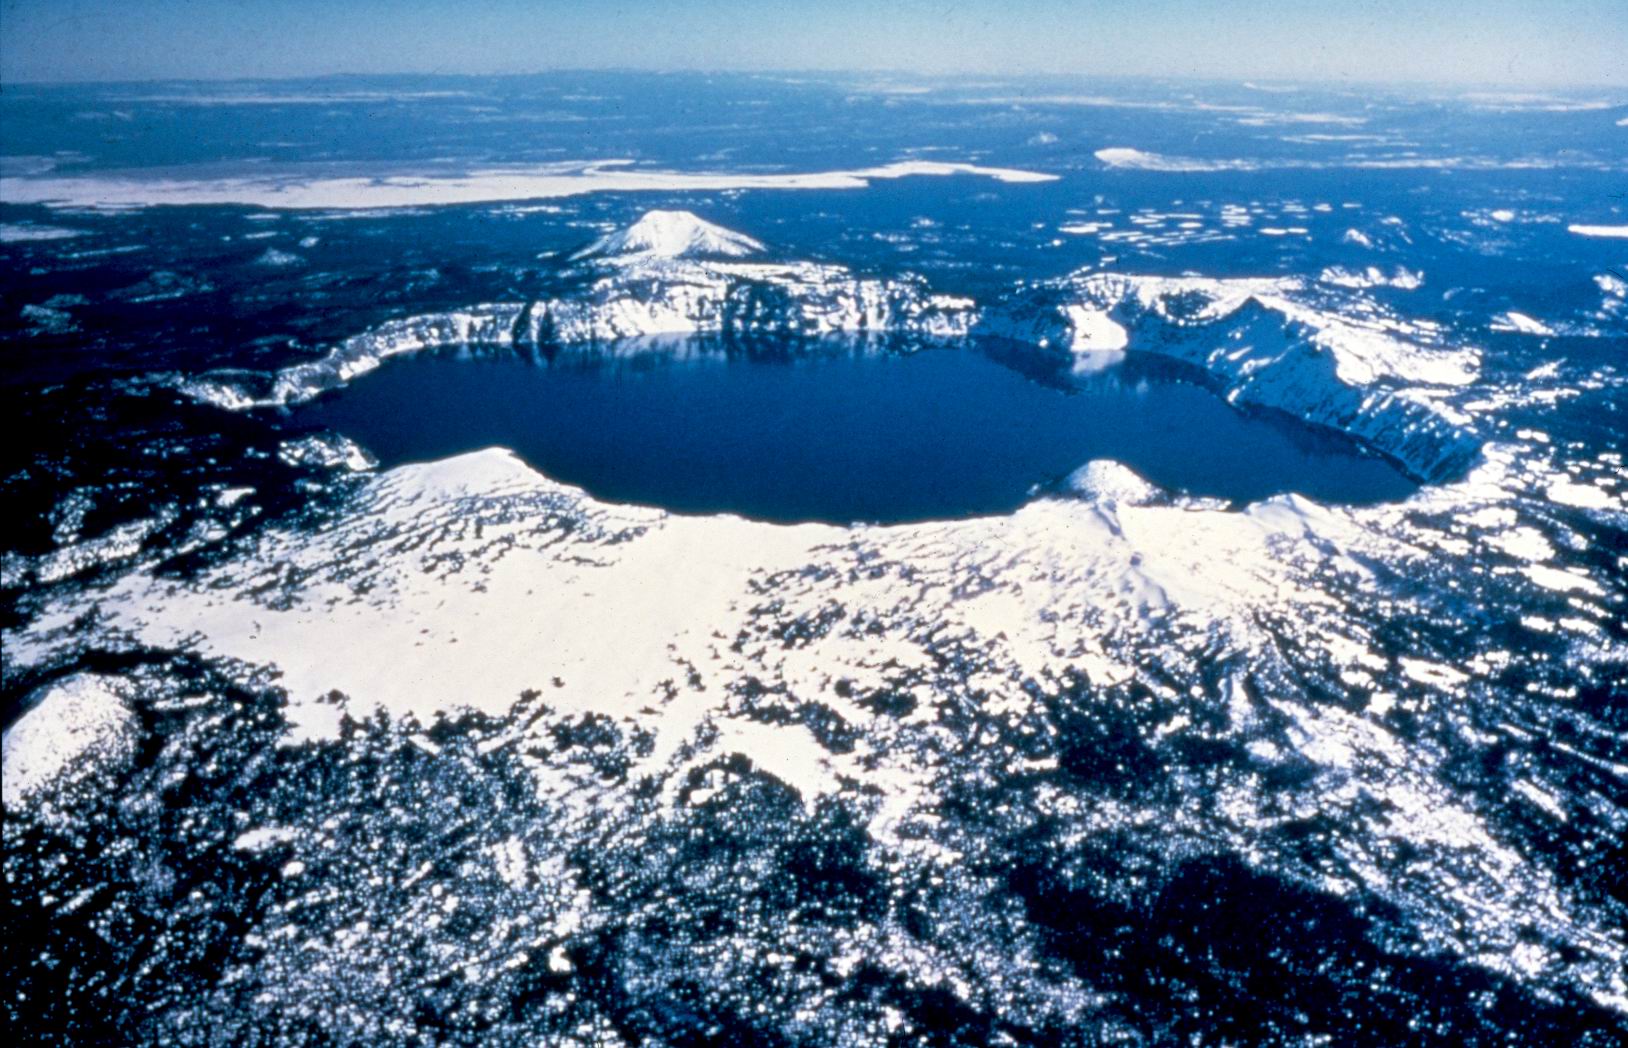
{"x": 478, "y": 735}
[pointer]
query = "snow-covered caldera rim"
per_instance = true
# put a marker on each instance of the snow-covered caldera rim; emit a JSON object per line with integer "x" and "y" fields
{"x": 1322, "y": 351}
{"x": 1368, "y": 342}
{"x": 316, "y": 188}
{"x": 669, "y": 275}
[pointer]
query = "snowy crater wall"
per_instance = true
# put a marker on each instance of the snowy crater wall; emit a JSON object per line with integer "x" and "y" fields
{"x": 664, "y": 275}
{"x": 1332, "y": 358}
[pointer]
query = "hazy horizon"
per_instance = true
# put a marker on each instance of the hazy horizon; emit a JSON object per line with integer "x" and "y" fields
{"x": 1573, "y": 44}
{"x": 879, "y": 74}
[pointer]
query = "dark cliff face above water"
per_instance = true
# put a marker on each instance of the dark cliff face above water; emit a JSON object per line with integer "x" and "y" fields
{"x": 836, "y": 436}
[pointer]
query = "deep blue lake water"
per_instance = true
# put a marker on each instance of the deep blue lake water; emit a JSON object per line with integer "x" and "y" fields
{"x": 839, "y": 437}
{"x": 1370, "y": 810}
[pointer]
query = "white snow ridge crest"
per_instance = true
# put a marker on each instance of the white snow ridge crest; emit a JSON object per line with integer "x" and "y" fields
{"x": 672, "y": 234}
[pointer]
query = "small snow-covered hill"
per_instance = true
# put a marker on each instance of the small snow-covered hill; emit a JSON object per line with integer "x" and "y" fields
{"x": 672, "y": 234}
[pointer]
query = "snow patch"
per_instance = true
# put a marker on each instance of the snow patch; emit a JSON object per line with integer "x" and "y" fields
{"x": 1098, "y": 341}
{"x": 1521, "y": 324}
{"x": 274, "y": 259}
{"x": 1400, "y": 277}
{"x": 1598, "y": 231}
{"x": 264, "y": 838}
{"x": 1140, "y": 160}
{"x": 1583, "y": 496}
{"x": 76, "y": 722}
{"x": 19, "y": 233}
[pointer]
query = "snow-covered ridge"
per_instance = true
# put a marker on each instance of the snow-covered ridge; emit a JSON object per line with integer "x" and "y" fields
{"x": 1400, "y": 278}
{"x": 651, "y": 288}
{"x": 1345, "y": 363}
{"x": 672, "y": 234}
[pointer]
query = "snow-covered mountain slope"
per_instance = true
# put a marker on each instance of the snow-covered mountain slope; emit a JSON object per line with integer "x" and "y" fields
{"x": 883, "y": 672}
{"x": 671, "y": 234}
{"x": 1331, "y": 358}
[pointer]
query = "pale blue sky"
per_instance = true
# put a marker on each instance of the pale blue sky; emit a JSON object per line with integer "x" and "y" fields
{"x": 1484, "y": 41}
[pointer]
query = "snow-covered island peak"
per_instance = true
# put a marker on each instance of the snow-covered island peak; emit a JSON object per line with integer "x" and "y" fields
{"x": 672, "y": 234}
